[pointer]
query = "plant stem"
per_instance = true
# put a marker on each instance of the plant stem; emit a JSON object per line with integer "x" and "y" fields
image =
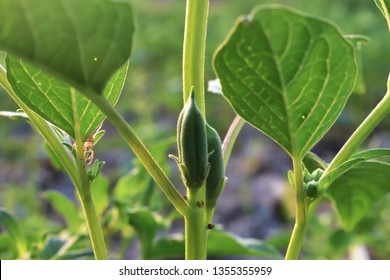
{"x": 298, "y": 234}
{"x": 140, "y": 151}
{"x": 86, "y": 199}
{"x": 361, "y": 133}
{"x": 231, "y": 137}
{"x": 195, "y": 226}
{"x": 80, "y": 181}
{"x": 194, "y": 50}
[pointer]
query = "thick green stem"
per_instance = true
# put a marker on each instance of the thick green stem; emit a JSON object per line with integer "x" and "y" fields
{"x": 85, "y": 195}
{"x": 194, "y": 50}
{"x": 361, "y": 133}
{"x": 195, "y": 226}
{"x": 140, "y": 151}
{"x": 94, "y": 225}
{"x": 298, "y": 234}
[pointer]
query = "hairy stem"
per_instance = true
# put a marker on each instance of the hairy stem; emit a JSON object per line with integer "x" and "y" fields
{"x": 140, "y": 151}
{"x": 86, "y": 199}
{"x": 362, "y": 132}
{"x": 194, "y": 50}
{"x": 298, "y": 234}
{"x": 195, "y": 226}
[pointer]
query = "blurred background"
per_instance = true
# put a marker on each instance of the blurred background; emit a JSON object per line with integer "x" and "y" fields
{"x": 257, "y": 202}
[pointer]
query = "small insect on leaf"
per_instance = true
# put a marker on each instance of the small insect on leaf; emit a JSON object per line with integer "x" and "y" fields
{"x": 90, "y": 142}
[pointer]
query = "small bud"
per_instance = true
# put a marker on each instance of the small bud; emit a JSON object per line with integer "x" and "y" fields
{"x": 311, "y": 189}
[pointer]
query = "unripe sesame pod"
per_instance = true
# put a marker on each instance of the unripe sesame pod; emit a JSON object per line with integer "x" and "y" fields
{"x": 216, "y": 177}
{"x": 192, "y": 145}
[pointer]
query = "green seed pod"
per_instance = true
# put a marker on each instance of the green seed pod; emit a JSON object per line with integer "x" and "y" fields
{"x": 311, "y": 189}
{"x": 216, "y": 177}
{"x": 192, "y": 145}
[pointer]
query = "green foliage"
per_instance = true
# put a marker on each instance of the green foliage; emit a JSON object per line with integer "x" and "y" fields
{"x": 224, "y": 244}
{"x": 279, "y": 69}
{"x": 220, "y": 245}
{"x": 95, "y": 37}
{"x": 66, "y": 208}
{"x": 146, "y": 225}
{"x": 357, "y": 190}
{"x": 384, "y": 6}
{"x": 10, "y": 225}
{"x": 290, "y": 86}
{"x": 52, "y": 100}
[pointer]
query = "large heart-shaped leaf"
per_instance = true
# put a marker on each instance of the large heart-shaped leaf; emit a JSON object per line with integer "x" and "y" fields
{"x": 358, "y": 189}
{"x": 83, "y": 42}
{"x": 51, "y": 98}
{"x": 287, "y": 74}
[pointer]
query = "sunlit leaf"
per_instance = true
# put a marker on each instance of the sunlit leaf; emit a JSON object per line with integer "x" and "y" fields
{"x": 281, "y": 72}
{"x": 370, "y": 154}
{"x": 51, "y": 98}
{"x": 83, "y": 42}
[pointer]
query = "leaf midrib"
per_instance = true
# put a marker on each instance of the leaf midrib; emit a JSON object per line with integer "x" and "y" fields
{"x": 283, "y": 91}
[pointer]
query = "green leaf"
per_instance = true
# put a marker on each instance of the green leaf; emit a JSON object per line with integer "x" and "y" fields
{"x": 56, "y": 246}
{"x": 144, "y": 222}
{"x": 66, "y": 208}
{"x": 355, "y": 159}
{"x": 51, "y": 99}
{"x": 78, "y": 255}
{"x": 170, "y": 247}
{"x": 358, "y": 41}
{"x": 52, "y": 247}
{"x": 131, "y": 187}
{"x": 370, "y": 154}
{"x": 340, "y": 170}
{"x": 313, "y": 162}
{"x": 356, "y": 191}
{"x": 384, "y": 6}
{"x": 10, "y": 225}
{"x": 281, "y": 72}
{"x": 100, "y": 192}
{"x": 220, "y": 244}
{"x": 83, "y": 42}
